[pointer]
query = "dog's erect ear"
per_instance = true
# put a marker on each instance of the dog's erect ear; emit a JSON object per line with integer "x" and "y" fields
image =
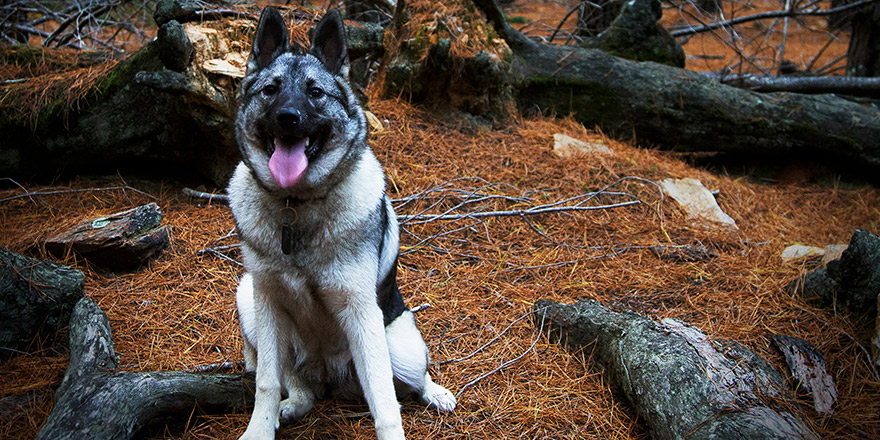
{"x": 270, "y": 41}
{"x": 328, "y": 43}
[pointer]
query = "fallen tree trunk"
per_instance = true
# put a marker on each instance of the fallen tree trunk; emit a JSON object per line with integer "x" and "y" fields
{"x": 680, "y": 109}
{"x": 682, "y": 384}
{"x": 146, "y": 114}
{"x": 93, "y": 401}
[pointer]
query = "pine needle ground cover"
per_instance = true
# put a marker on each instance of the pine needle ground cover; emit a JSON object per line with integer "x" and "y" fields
{"x": 481, "y": 275}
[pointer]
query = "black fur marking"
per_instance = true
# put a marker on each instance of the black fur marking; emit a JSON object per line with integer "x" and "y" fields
{"x": 389, "y": 297}
{"x": 328, "y": 44}
{"x": 271, "y": 38}
{"x": 387, "y": 293}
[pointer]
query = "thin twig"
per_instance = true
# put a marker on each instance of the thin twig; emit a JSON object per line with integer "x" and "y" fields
{"x": 508, "y": 363}
{"x": 486, "y": 345}
{"x": 419, "y": 308}
{"x": 73, "y": 191}
{"x": 765, "y": 16}
{"x": 209, "y": 197}
{"x": 564, "y": 19}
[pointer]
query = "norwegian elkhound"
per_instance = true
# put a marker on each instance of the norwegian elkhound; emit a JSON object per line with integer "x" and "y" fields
{"x": 320, "y": 311}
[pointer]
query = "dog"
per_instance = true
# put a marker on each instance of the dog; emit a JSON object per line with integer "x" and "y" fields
{"x": 320, "y": 311}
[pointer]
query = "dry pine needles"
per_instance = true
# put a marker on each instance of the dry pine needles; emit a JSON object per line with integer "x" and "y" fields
{"x": 480, "y": 275}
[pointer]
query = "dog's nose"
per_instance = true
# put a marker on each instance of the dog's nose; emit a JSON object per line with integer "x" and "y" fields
{"x": 288, "y": 117}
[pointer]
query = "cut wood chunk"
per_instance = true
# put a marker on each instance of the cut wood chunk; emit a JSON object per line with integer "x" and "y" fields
{"x": 808, "y": 368}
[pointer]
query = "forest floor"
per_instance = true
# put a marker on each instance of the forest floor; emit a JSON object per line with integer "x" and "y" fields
{"x": 481, "y": 276}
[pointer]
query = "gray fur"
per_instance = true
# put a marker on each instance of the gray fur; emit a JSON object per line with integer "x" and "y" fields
{"x": 311, "y": 319}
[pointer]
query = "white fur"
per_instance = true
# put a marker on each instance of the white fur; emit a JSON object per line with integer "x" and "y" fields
{"x": 307, "y": 317}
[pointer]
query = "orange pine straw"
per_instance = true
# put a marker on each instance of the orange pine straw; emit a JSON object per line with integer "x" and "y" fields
{"x": 178, "y": 312}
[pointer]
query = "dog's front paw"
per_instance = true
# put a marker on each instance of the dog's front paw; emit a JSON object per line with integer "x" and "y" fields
{"x": 254, "y": 432}
{"x": 438, "y": 397}
{"x": 390, "y": 432}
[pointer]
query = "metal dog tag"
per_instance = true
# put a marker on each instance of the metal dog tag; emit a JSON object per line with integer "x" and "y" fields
{"x": 286, "y": 238}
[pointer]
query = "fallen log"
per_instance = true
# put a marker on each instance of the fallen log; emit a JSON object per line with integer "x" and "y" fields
{"x": 93, "y": 401}
{"x": 683, "y": 110}
{"x": 164, "y": 108}
{"x": 682, "y": 384}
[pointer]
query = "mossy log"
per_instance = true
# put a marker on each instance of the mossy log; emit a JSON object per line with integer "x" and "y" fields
{"x": 158, "y": 114}
{"x": 93, "y": 401}
{"x": 682, "y": 383}
{"x": 683, "y": 110}
{"x": 167, "y": 109}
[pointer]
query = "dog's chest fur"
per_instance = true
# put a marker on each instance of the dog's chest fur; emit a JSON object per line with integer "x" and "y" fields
{"x": 330, "y": 266}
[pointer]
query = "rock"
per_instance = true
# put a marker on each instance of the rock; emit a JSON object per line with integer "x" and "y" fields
{"x": 697, "y": 202}
{"x": 635, "y": 35}
{"x": 875, "y": 341}
{"x": 807, "y": 367}
{"x": 375, "y": 123}
{"x": 175, "y": 49}
{"x": 799, "y": 251}
{"x": 566, "y": 146}
{"x": 35, "y": 297}
{"x": 120, "y": 241}
{"x": 852, "y": 281}
{"x": 832, "y": 252}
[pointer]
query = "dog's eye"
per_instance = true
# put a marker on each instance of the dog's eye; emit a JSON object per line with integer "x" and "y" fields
{"x": 270, "y": 89}
{"x": 315, "y": 92}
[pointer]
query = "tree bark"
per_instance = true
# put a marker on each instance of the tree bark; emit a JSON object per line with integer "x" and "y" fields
{"x": 678, "y": 380}
{"x": 863, "y": 53}
{"x": 680, "y": 109}
{"x": 93, "y": 401}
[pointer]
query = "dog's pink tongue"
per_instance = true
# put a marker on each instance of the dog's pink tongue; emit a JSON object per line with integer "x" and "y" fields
{"x": 288, "y": 163}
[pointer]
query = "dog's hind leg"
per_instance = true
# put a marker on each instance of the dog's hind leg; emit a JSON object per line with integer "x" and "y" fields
{"x": 409, "y": 362}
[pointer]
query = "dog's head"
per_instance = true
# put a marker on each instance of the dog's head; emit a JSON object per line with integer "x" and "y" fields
{"x": 298, "y": 122}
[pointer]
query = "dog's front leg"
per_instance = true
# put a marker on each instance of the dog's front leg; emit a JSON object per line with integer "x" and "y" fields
{"x": 362, "y": 323}
{"x": 264, "y": 419}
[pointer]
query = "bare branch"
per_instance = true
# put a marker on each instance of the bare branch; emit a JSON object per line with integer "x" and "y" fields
{"x": 767, "y": 15}
{"x": 506, "y": 364}
{"x": 30, "y": 195}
